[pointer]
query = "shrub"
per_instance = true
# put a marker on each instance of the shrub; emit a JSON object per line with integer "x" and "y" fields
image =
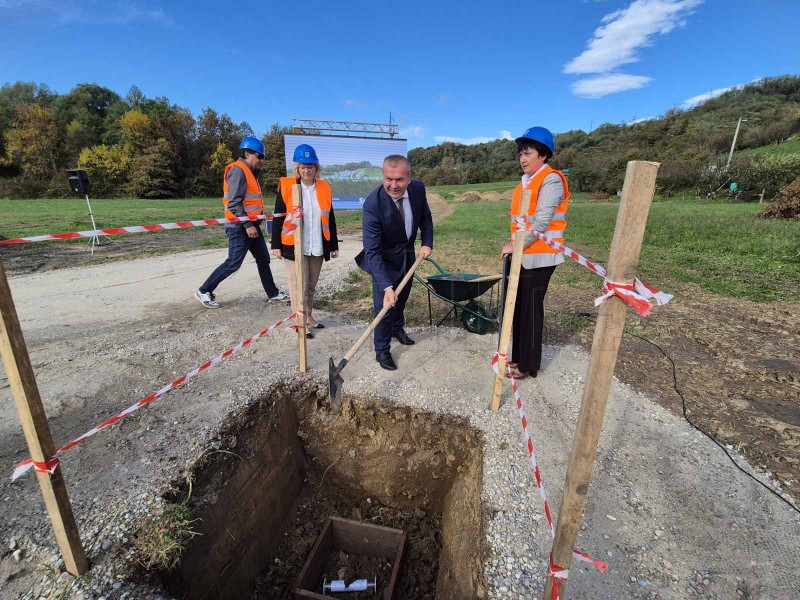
{"x": 766, "y": 172}
{"x": 786, "y": 204}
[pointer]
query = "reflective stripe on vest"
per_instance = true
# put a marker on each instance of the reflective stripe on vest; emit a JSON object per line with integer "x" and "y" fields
{"x": 324, "y": 200}
{"x": 555, "y": 231}
{"x": 253, "y": 201}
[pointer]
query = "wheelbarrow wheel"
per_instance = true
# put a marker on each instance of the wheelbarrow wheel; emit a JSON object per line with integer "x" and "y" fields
{"x": 473, "y": 322}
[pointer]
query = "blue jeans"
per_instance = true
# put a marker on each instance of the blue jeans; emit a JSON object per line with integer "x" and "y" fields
{"x": 238, "y": 245}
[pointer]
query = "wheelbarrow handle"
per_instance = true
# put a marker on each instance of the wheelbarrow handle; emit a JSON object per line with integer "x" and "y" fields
{"x": 382, "y": 313}
{"x": 435, "y": 264}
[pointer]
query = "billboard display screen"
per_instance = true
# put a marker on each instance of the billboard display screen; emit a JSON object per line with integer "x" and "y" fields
{"x": 351, "y": 165}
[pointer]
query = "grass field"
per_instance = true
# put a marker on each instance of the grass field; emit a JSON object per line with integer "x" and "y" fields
{"x": 723, "y": 247}
{"x": 784, "y": 149}
{"x": 22, "y": 218}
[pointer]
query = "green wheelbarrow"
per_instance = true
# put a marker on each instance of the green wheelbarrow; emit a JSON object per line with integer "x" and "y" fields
{"x": 460, "y": 290}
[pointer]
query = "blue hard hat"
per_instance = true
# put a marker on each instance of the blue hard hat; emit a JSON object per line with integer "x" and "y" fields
{"x": 254, "y": 144}
{"x": 305, "y": 155}
{"x": 541, "y": 135}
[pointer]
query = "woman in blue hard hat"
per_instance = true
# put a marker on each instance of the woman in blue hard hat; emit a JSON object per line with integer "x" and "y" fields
{"x": 547, "y": 214}
{"x": 241, "y": 197}
{"x": 319, "y": 227}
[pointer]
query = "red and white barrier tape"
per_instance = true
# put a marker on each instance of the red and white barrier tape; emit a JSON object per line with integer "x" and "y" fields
{"x": 639, "y": 295}
{"x": 138, "y": 229}
{"x": 290, "y": 222}
{"x": 554, "y": 571}
{"x": 298, "y": 314}
{"x": 48, "y": 467}
{"x": 52, "y": 463}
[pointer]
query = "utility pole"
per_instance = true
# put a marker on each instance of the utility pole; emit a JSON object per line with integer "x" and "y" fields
{"x": 733, "y": 144}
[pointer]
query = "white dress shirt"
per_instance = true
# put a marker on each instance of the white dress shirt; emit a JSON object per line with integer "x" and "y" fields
{"x": 312, "y": 221}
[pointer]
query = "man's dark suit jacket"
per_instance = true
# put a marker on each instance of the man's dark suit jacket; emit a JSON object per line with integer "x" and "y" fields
{"x": 386, "y": 248}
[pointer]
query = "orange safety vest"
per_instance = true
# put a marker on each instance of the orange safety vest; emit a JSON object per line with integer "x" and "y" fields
{"x": 324, "y": 200}
{"x": 253, "y": 200}
{"x": 559, "y": 222}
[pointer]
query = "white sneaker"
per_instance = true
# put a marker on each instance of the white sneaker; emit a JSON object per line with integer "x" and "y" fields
{"x": 279, "y": 297}
{"x": 206, "y": 299}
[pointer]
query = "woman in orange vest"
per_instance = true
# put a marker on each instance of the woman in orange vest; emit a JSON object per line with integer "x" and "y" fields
{"x": 548, "y": 214}
{"x": 319, "y": 227}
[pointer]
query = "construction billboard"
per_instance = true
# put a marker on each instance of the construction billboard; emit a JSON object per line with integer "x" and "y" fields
{"x": 350, "y": 164}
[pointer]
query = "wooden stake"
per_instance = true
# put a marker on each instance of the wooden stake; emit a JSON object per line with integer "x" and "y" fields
{"x": 761, "y": 199}
{"x": 37, "y": 432}
{"x": 511, "y": 301}
{"x": 297, "y": 202}
{"x": 637, "y": 193}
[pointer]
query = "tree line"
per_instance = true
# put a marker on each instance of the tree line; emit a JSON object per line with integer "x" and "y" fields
{"x": 129, "y": 146}
{"x": 151, "y": 148}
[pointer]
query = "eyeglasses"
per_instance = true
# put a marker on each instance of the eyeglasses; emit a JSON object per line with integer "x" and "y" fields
{"x": 260, "y": 156}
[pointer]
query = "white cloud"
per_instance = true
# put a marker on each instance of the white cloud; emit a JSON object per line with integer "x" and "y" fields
{"x": 627, "y": 30}
{"x": 351, "y": 103}
{"x": 700, "y": 98}
{"x": 504, "y": 135}
{"x": 603, "y": 85}
{"x": 413, "y": 131}
{"x": 94, "y": 12}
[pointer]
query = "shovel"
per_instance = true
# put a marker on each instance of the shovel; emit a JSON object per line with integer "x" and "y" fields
{"x": 335, "y": 380}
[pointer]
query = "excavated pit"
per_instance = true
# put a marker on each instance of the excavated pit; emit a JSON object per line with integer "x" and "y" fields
{"x": 261, "y": 492}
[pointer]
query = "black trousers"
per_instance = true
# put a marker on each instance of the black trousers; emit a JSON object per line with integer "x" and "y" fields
{"x": 528, "y": 325}
{"x": 394, "y": 319}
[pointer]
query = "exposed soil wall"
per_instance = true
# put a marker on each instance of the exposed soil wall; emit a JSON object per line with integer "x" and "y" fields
{"x": 279, "y": 468}
{"x": 242, "y": 489}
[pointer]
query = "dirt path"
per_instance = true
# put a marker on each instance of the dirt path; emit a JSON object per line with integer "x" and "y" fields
{"x": 105, "y": 336}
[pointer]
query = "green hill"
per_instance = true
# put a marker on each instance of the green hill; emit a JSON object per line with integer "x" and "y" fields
{"x": 691, "y": 145}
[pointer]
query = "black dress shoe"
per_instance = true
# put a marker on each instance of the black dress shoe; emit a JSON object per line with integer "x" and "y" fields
{"x": 402, "y": 337}
{"x": 386, "y": 361}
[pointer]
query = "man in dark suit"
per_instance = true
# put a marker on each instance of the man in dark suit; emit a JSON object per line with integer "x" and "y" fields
{"x": 392, "y": 215}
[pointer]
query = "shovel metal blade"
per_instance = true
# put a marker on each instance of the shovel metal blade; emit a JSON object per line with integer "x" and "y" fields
{"x": 335, "y": 380}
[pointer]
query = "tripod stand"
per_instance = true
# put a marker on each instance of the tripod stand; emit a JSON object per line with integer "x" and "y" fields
{"x": 94, "y": 240}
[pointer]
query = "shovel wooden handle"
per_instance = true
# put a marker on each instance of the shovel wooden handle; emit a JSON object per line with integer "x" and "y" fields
{"x": 486, "y": 278}
{"x": 383, "y": 312}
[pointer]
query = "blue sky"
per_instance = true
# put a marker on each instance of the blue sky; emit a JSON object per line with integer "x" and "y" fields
{"x": 466, "y": 71}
